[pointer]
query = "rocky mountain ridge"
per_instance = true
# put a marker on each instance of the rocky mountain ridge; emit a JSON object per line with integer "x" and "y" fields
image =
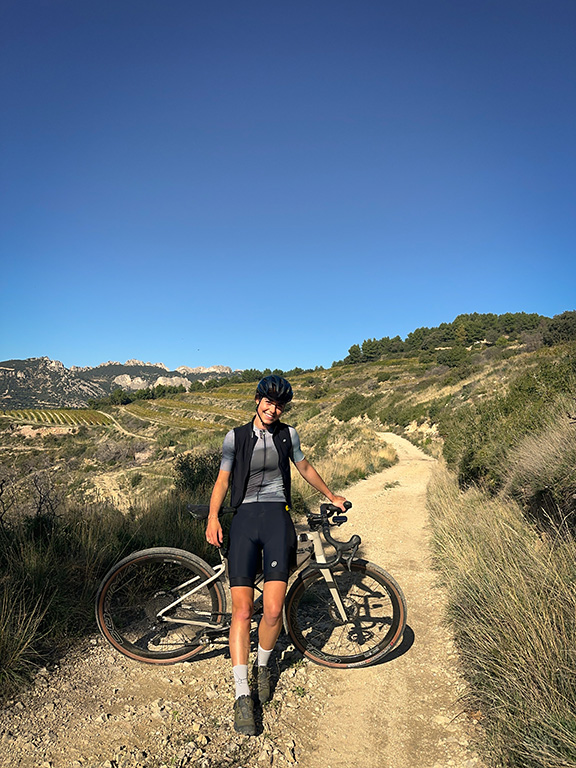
{"x": 115, "y": 362}
{"x": 39, "y": 382}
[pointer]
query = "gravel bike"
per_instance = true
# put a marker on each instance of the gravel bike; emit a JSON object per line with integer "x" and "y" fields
{"x": 165, "y": 605}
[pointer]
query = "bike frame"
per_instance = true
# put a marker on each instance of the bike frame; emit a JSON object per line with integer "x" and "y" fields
{"x": 320, "y": 558}
{"x": 218, "y": 571}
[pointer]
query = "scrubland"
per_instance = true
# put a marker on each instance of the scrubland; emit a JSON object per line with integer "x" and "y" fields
{"x": 502, "y": 511}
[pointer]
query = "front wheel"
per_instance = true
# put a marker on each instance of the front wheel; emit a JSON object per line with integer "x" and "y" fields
{"x": 375, "y": 615}
{"x": 152, "y": 607}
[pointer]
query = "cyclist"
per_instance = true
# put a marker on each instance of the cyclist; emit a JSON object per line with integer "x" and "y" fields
{"x": 256, "y": 462}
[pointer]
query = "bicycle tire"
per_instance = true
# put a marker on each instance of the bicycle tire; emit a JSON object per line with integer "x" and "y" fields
{"x": 145, "y": 582}
{"x": 376, "y": 611}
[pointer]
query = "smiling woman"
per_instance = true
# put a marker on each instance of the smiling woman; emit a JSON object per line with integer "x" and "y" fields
{"x": 256, "y": 463}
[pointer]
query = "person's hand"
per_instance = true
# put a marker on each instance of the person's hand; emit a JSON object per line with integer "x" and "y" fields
{"x": 338, "y": 501}
{"x": 214, "y": 533}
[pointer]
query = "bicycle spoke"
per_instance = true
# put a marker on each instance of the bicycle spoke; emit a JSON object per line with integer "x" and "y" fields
{"x": 151, "y": 606}
{"x": 373, "y": 615}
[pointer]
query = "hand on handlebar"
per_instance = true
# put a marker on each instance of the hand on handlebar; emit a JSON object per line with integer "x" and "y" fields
{"x": 340, "y": 501}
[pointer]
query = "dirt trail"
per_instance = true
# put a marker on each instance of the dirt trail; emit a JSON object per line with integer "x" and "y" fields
{"x": 100, "y": 710}
{"x": 403, "y": 713}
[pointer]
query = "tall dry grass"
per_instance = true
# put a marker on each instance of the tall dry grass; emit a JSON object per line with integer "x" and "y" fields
{"x": 20, "y": 622}
{"x": 542, "y": 471}
{"x": 52, "y": 565}
{"x": 512, "y": 606}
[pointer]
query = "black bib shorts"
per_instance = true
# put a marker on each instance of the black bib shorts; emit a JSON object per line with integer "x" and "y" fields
{"x": 262, "y": 538}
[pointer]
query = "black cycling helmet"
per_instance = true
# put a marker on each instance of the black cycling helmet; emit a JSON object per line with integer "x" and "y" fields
{"x": 275, "y": 388}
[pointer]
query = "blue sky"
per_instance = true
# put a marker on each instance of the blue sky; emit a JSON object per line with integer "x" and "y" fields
{"x": 263, "y": 184}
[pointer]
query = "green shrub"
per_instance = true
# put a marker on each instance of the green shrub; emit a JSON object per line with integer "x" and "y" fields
{"x": 353, "y": 404}
{"x": 196, "y": 473}
{"x": 478, "y": 436}
{"x": 136, "y": 479}
{"x": 308, "y": 413}
{"x": 401, "y": 414}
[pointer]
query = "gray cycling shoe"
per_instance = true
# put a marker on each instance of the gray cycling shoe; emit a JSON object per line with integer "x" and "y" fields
{"x": 244, "y": 716}
{"x": 264, "y": 684}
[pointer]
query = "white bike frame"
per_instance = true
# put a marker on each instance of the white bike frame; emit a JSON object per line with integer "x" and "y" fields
{"x": 320, "y": 558}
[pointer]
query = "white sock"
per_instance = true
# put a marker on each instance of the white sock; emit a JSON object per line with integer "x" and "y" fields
{"x": 241, "y": 680}
{"x": 263, "y": 656}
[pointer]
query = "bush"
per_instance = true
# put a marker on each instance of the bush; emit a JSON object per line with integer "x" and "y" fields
{"x": 478, "y": 436}
{"x": 353, "y": 404}
{"x": 402, "y": 414}
{"x": 196, "y": 473}
{"x": 136, "y": 479}
{"x": 308, "y": 413}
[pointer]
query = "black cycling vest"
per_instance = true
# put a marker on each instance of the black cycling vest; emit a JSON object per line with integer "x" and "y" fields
{"x": 244, "y": 442}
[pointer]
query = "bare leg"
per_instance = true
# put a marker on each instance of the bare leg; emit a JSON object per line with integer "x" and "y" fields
{"x": 271, "y": 622}
{"x": 242, "y": 608}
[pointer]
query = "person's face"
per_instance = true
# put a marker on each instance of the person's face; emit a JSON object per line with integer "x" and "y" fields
{"x": 268, "y": 411}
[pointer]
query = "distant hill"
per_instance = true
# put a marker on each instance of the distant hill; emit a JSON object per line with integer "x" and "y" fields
{"x": 39, "y": 382}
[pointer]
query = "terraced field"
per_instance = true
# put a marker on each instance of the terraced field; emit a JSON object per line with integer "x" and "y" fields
{"x": 201, "y": 406}
{"x": 59, "y": 417}
{"x": 185, "y": 414}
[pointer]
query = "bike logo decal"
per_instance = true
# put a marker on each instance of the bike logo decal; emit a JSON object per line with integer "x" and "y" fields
{"x": 274, "y": 563}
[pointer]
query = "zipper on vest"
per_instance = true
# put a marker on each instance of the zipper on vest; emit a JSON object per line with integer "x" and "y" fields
{"x": 262, "y": 437}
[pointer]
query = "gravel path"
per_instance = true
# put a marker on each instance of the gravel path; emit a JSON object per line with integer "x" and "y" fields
{"x": 403, "y": 713}
{"x": 99, "y": 710}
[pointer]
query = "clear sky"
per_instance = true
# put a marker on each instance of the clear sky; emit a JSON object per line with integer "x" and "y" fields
{"x": 263, "y": 184}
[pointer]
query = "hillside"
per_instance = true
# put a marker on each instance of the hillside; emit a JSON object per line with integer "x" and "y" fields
{"x": 45, "y": 383}
{"x": 124, "y": 453}
{"x": 39, "y": 382}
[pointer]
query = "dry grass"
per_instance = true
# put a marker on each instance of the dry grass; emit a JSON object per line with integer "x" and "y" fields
{"x": 542, "y": 473}
{"x": 512, "y": 606}
{"x": 19, "y": 629}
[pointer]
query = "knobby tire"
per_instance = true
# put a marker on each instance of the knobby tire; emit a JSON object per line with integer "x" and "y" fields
{"x": 375, "y": 608}
{"x": 143, "y": 583}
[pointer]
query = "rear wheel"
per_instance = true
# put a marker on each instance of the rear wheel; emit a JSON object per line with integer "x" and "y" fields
{"x": 142, "y": 585}
{"x": 375, "y": 615}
